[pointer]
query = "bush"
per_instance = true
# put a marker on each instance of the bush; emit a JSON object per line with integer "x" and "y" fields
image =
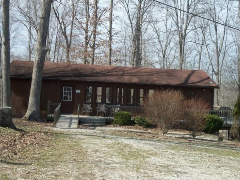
{"x": 168, "y": 109}
{"x": 142, "y": 121}
{"x": 214, "y": 123}
{"x": 123, "y": 118}
{"x": 235, "y": 131}
{"x": 236, "y": 110}
{"x": 195, "y": 116}
{"x": 164, "y": 108}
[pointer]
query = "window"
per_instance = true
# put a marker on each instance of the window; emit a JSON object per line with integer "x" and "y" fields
{"x": 141, "y": 96}
{"x": 151, "y": 91}
{"x": 108, "y": 95}
{"x": 130, "y": 93}
{"x": 88, "y": 94}
{"x": 120, "y": 95}
{"x": 67, "y": 93}
{"x": 99, "y": 94}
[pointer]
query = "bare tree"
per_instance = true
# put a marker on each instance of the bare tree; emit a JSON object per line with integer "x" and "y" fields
{"x": 218, "y": 45}
{"x": 136, "y": 19}
{"x": 61, "y": 13}
{"x": 182, "y": 20}
{"x": 163, "y": 29}
{"x": 29, "y": 16}
{"x": 33, "y": 111}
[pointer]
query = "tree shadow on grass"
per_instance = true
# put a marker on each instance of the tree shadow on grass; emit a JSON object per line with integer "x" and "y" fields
{"x": 14, "y": 163}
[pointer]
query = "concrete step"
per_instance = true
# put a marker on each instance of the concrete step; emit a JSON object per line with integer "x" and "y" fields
{"x": 67, "y": 121}
{"x": 92, "y": 121}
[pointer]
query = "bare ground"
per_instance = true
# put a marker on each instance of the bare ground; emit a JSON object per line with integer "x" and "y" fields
{"x": 115, "y": 153}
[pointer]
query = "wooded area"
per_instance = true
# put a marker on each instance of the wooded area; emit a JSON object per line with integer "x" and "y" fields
{"x": 161, "y": 34}
{"x": 192, "y": 34}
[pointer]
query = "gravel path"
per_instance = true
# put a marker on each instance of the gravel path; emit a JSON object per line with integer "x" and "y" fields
{"x": 112, "y": 157}
{"x": 94, "y": 155}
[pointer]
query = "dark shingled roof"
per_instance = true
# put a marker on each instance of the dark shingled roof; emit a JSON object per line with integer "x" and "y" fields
{"x": 115, "y": 74}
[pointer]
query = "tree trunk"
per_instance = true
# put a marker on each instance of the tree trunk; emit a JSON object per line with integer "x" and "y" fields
{"x": 6, "y": 54}
{"x": 6, "y": 113}
{"x": 29, "y": 43}
{"x": 181, "y": 53}
{"x": 239, "y": 52}
{"x": 138, "y": 34}
{"x": 33, "y": 111}
{"x": 94, "y": 30}
{"x": 86, "y": 32}
{"x": 6, "y": 117}
{"x": 29, "y": 35}
{"x": 110, "y": 34}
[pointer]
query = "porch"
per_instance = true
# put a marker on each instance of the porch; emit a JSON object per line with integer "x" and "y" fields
{"x": 70, "y": 121}
{"x": 61, "y": 120}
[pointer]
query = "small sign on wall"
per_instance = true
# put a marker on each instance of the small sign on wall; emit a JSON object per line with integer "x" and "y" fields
{"x": 78, "y": 91}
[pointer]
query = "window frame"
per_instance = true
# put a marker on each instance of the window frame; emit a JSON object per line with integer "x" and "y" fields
{"x": 130, "y": 96}
{"x": 120, "y": 96}
{"x": 99, "y": 95}
{"x": 141, "y": 96}
{"x": 110, "y": 96}
{"x": 88, "y": 93}
{"x": 66, "y": 90}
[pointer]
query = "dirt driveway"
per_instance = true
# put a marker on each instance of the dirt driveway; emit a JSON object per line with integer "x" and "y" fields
{"x": 109, "y": 156}
{"x": 103, "y": 155}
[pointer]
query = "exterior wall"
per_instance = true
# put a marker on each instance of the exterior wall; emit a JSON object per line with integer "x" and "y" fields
{"x": 52, "y": 91}
{"x": 20, "y": 94}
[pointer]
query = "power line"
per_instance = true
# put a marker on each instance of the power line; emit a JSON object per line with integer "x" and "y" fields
{"x": 197, "y": 15}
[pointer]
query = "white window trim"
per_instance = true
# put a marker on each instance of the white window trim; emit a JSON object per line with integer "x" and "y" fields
{"x": 67, "y": 91}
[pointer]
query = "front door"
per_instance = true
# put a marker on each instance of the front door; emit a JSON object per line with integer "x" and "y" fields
{"x": 67, "y": 104}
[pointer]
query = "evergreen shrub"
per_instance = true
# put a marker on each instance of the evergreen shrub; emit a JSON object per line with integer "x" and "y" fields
{"x": 142, "y": 121}
{"x": 123, "y": 118}
{"x": 214, "y": 123}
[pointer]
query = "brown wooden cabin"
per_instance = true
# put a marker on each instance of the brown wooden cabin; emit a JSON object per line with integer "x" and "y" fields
{"x": 74, "y": 84}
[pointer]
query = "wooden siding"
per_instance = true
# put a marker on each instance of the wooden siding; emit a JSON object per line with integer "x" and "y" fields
{"x": 52, "y": 91}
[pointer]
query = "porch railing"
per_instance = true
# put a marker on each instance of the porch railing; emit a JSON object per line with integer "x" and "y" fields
{"x": 134, "y": 110}
{"x": 57, "y": 114}
{"x": 225, "y": 115}
{"x": 50, "y": 110}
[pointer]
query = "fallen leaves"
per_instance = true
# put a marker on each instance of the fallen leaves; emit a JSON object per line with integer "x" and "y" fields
{"x": 13, "y": 143}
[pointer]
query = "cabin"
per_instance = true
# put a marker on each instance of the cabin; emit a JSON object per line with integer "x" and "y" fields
{"x": 72, "y": 85}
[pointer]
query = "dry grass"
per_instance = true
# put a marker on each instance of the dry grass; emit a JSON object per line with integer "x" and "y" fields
{"x": 112, "y": 154}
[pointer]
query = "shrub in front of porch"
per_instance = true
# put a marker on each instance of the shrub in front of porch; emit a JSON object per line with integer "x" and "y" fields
{"x": 123, "y": 118}
{"x": 214, "y": 123}
{"x": 143, "y": 121}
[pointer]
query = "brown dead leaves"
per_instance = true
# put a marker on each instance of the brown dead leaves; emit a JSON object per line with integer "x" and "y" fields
{"x": 13, "y": 143}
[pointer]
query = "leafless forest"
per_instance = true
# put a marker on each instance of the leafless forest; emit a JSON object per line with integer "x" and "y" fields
{"x": 179, "y": 34}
